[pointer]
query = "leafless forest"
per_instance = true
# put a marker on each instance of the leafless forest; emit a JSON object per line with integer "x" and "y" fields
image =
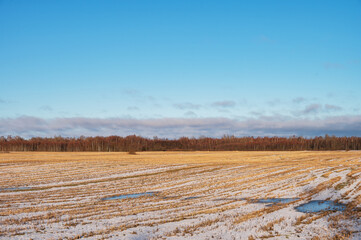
{"x": 136, "y": 143}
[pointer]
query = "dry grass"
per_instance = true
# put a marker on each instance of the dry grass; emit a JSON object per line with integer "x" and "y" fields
{"x": 65, "y": 192}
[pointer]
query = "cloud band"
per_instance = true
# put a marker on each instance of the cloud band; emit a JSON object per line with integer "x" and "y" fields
{"x": 177, "y": 127}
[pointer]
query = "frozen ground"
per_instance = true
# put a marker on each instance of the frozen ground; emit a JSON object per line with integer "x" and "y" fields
{"x": 179, "y": 195}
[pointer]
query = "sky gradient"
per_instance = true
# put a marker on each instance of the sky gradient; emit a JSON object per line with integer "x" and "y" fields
{"x": 180, "y": 68}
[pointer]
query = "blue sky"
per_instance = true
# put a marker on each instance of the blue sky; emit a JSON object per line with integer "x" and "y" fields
{"x": 199, "y": 67}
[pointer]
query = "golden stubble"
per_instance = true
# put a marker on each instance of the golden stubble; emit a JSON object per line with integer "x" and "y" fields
{"x": 68, "y": 188}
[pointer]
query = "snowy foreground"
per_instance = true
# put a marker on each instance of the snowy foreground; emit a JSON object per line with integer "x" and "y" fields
{"x": 179, "y": 195}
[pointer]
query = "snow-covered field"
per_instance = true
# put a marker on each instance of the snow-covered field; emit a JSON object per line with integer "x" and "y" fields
{"x": 189, "y": 195}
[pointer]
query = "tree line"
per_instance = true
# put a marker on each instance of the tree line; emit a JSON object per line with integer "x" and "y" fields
{"x": 135, "y": 143}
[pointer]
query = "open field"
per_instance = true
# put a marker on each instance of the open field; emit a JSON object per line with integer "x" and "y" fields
{"x": 194, "y": 195}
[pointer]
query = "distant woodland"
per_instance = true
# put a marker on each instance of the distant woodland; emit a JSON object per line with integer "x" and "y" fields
{"x": 135, "y": 144}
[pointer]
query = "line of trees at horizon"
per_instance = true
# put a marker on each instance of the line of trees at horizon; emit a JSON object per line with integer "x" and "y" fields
{"x": 135, "y": 143}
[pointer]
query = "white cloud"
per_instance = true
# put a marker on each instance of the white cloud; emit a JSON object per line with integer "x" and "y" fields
{"x": 187, "y": 105}
{"x": 190, "y": 114}
{"x": 176, "y": 127}
{"x": 224, "y": 104}
{"x": 312, "y": 108}
{"x": 46, "y": 108}
{"x": 299, "y": 100}
{"x": 329, "y": 107}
